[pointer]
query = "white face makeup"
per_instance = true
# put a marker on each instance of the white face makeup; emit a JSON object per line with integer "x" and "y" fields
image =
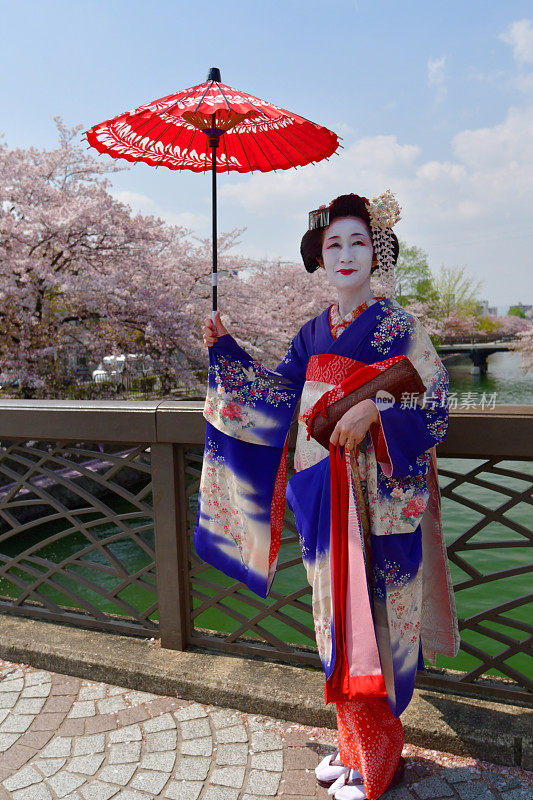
{"x": 347, "y": 253}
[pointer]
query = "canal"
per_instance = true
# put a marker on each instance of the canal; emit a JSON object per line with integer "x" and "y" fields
{"x": 505, "y": 380}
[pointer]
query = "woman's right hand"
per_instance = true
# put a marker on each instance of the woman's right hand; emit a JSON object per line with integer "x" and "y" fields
{"x": 212, "y": 330}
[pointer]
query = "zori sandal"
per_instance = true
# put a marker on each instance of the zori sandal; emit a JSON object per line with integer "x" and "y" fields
{"x": 329, "y": 770}
{"x": 350, "y": 775}
{"x": 350, "y": 788}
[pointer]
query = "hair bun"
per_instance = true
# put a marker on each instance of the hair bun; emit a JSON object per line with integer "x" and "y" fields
{"x": 311, "y": 248}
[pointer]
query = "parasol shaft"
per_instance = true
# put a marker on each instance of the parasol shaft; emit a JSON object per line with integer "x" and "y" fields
{"x": 214, "y": 215}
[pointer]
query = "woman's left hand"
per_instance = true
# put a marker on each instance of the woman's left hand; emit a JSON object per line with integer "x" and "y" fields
{"x": 354, "y": 424}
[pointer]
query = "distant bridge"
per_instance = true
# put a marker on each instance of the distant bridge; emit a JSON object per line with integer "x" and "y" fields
{"x": 478, "y": 352}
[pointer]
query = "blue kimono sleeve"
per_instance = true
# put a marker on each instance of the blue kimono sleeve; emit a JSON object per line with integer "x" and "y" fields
{"x": 294, "y": 364}
{"x": 248, "y": 410}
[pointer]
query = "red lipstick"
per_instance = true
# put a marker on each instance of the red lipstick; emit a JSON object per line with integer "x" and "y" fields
{"x": 346, "y": 271}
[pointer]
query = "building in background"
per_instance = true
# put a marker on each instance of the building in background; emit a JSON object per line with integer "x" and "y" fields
{"x": 485, "y": 310}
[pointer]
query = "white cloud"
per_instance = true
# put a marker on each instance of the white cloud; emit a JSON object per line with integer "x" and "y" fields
{"x": 467, "y": 209}
{"x": 472, "y": 209}
{"x": 503, "y": 145}
{"x": 199, "y": 223}
{"x": 142, "y": 204}
{"x": 343, "y": 129}
{"x": 441, "y": 171}
{"x": 437, "y": 77}
{"x": 136, "y": 201}
{"x": 520, "y": 36}
{"x": 524, "y": 83}
{"x": 367, "y": 162}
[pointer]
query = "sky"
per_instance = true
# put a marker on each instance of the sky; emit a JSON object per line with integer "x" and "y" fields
{"x": 433, "y": 100}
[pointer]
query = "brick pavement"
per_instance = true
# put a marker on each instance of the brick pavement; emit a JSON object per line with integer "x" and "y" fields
{"x": 65, "y": 738}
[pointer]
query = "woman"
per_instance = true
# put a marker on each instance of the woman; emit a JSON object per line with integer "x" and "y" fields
{"x": 365, "y": 514}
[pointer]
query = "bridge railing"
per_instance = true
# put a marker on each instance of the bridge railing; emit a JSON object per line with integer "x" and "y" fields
{"x": 478, "y": 338}
{"x": 98, "y": 504}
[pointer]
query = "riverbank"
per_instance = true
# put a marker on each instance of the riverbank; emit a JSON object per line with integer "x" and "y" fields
{"x": 469, "y": 727}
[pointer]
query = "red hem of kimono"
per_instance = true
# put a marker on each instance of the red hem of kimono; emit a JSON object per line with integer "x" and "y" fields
{"x": 341, "y": 685}
{"x": 371, "y": 740}
{"x": 277, "y": 507}
{"x": 356, "y": 686}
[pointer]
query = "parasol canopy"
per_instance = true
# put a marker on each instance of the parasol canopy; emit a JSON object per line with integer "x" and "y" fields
{"x": 213, "y": 127}
{"x": 254, "y": 134}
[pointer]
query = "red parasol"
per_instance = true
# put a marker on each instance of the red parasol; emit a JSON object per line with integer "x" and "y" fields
{"x": 213, "y": 127}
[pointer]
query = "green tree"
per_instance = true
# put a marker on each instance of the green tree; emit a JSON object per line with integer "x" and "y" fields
{"x": 487, "y": 325}
{"x": 516, "y": 311}
{"x": 457, "y": 292}
{"x": 414, "y": 280}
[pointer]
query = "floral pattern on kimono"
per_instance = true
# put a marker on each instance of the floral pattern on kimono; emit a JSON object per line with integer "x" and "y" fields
{"x": 244, "y": 411}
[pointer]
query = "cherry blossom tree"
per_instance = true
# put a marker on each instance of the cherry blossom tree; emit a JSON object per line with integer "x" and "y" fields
{"x": 81, "y": 275}
{"x": 427, "y": 315}
{"x": 524, "y": 345}
{"x": 459, "y": 325}
{"x": 511, "y": 325}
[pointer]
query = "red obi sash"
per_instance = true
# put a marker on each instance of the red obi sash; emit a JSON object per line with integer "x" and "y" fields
{"x": 350, "y": 375}
{"x": 353, "y": 375}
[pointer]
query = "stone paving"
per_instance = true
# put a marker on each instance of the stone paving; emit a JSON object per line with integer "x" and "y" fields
{"x": 65, "y": 738}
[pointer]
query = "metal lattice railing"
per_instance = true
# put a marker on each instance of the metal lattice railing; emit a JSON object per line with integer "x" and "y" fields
{"x": 490, "y": 501}
{"x": 100, "y": 535}
{"x": 77, "y": 534}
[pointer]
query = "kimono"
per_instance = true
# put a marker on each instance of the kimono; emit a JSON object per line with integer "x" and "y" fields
{"x": 369, "y": 525}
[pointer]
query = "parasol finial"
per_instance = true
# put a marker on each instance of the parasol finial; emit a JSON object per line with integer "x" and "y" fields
{"x": 214, "y": 75}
